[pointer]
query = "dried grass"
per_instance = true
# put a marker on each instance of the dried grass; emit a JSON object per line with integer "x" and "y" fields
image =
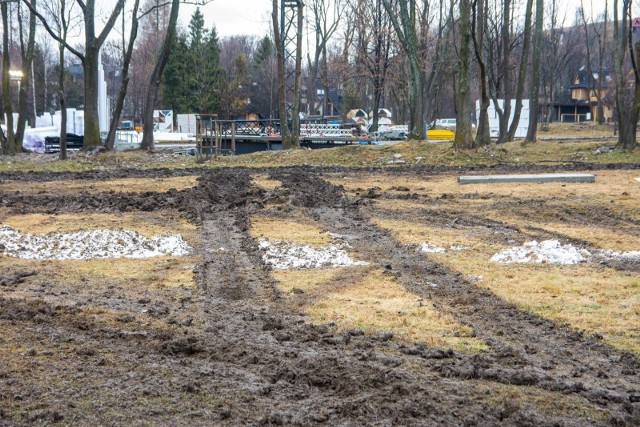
{"x": 377, "y": 304}
{"x": 592, "y": 298}
{"x": 145, "y": 223}
{"x": 123, "y": 185}
{"x": 302, "y": 231}
{"x": 263, "y": 181}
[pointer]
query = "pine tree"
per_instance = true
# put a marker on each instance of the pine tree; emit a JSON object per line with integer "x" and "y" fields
{"x": 192, "y": 73}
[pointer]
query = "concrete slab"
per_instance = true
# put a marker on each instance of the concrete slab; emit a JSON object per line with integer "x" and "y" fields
{"x": 543, "y": 177}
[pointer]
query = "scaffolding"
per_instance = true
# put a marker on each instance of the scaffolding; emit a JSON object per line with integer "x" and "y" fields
{"x": 289, "y": 10}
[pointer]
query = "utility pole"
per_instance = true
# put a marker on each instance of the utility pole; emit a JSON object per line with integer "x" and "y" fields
{"x": 291, "y": 23}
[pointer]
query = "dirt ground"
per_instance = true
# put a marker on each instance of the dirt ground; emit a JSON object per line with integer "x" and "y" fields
{"x": 79, "y": 346}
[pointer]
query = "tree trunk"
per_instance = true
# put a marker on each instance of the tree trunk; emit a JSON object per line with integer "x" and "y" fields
{"x": 522, "y": 71}
{"x": 627, "y": 121}
{"x": 93, "y": 45}
{"x": 504, "y": 113}
{"x": 463, "y": 138}
{"x": 117, "y": 111}
{"x": 535, "y": 76}
{"x": 27, "y": 62}
{"x": 405, "y": 28}
{"x": 62, "y": 102}
{"x": 483, "y": 134}
{"x": 8, "y": 146}
{"x": 156, "y": 77}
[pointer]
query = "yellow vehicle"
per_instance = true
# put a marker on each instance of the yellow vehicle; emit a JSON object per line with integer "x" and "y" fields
{"x": 441, "y": 134}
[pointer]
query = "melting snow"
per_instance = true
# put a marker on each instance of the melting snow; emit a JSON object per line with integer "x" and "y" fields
{"x": 434, "y": 249}
{"x": 89, "y": 244}
{"x": 547, "y": 251}
{"x": 431, "y": 249}
{"x": 285, "y": 255}
{"x": 630, "y": 255}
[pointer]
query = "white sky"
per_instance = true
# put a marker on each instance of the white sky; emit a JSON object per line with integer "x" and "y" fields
{"x": 233, "y": 17}
{"x": 252, "y": 17}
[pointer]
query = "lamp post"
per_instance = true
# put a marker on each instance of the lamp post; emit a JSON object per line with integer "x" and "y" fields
{"x": 16, "y": 76}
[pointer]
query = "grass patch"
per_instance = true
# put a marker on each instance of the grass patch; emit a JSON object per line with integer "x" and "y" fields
{"x": 563, "y": 208}
{"x": 148, "y": 224}
{"x": 304, "y": 231}
{"x": 307, "y": 281}
{"x": 415, "y": 232}
{"x": 376, "y": 303}
{"x": 137, "y": 274}
{"x": 150, "y": 273}
{"x": 413, "y": 152}
{"x": 122, "y": 185}
{"x": 266, "y": 183}
{"x": 598, "y": 300}
{"x": 422, "y": 152}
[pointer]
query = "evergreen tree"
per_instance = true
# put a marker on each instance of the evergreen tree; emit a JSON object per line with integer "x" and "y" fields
{"x": 192, "y": 73}
{"x": 175, "y": 90}
{"x": 264, "y": 51}
{"x": 212, "y": 72}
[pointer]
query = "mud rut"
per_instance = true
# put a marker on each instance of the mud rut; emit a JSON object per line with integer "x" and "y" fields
{"x": 231, "y": 353}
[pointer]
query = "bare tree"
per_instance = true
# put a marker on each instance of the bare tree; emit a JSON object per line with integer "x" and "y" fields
{"x": 374, "y": 42}
{"x": 90, "y": 59}
{"x": 156, "y": 76}
{"x": 534, "y": 98}
{"x": 126, "y": 62}
{"x": 478, "y": 25}
{"x": 597, "y": 79}
{"x": 325, "y": 20}
{"x": 12, "y": 141}
{"x": 27, "y": 53}
{"x": 627, "y": 89}
{"x": 463, "y": 137}
{"x": 403, "y": 17}
{"x": 8, "y": 140}
{"x": 522, "y": 70}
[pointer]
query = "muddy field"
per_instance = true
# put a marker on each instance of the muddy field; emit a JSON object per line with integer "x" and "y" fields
{"x": 220, "y": 337}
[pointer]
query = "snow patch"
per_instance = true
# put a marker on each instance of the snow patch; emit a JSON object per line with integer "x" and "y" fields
{"x": 622, "y": 256}
{"x": 285, "y": 255}
{"x": 547, "y": 251}
{"x": 431, "y": 248}
{"x": 435, "y": 249}
{"x": 87, "y": 244}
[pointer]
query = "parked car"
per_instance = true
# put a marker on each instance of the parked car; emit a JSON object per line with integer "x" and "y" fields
{"x": 445, "y": 124}
{"x": 397, "y": 132}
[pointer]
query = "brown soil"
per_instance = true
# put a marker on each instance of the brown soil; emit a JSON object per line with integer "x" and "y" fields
{"x": 230, "y": 351}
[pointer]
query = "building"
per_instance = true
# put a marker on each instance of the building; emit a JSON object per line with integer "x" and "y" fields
{"x": 587, "y": 89}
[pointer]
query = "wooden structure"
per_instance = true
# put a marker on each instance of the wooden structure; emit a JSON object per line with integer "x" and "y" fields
{"x": 209, "y": 137}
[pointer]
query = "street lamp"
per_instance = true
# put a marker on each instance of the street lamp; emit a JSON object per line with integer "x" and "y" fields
{"x": 16, "y": 76}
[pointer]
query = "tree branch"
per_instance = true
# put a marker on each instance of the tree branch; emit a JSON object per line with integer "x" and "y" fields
{"x": 55, "y": 36}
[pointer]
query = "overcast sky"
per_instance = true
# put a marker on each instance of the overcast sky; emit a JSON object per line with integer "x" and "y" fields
{"x": 253, "y": 17}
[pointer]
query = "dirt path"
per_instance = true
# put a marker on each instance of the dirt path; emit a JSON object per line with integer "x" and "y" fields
{"x": 230, "y": 352}
{"x": 527, "y": 350}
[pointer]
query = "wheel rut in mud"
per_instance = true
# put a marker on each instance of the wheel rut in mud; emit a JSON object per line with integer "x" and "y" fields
{"x": 229, "y": 351}
{"x": 526, "y": 349}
